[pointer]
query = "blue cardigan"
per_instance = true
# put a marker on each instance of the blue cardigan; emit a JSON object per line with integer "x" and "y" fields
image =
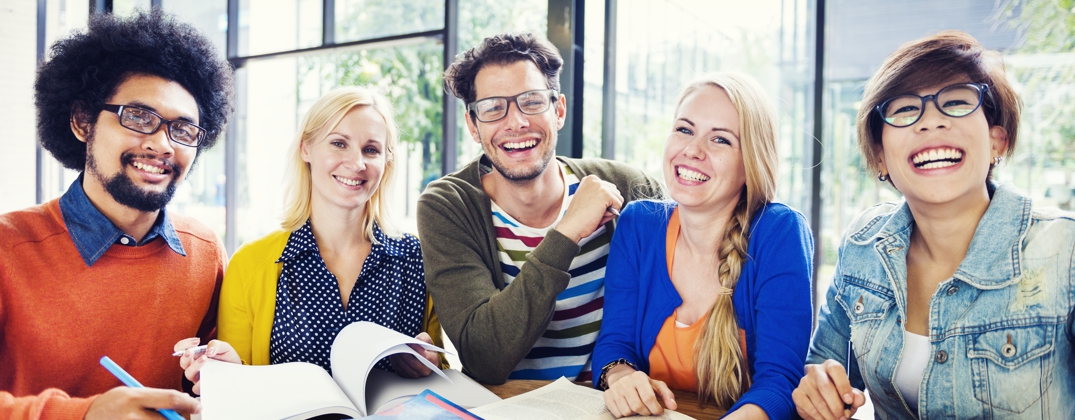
{"x": 772, "y": 298}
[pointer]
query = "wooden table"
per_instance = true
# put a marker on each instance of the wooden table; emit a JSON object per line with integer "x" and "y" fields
{"x": 687, "y": 401}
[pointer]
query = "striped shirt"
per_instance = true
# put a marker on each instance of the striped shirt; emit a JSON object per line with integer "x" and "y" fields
{"x": 566, "y": 346}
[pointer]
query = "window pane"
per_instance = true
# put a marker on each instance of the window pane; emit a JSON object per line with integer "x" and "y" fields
{"x": 128, "y": 7}
{"x": 409, "y": 76}
{"x": 62, "y": 17}
{"x": 368, "y": 19}
{"x": 18, "y": 161}
{"x": 267, "y": 26}
{"x": 209, "y": 17}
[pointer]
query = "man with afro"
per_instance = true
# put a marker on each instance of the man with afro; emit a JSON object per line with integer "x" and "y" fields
{"x": 106, "y": 270}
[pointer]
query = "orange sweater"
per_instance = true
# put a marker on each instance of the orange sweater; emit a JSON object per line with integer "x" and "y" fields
{"x": 58, "y": 316}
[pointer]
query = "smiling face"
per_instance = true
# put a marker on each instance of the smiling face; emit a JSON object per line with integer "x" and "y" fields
{"x": 346, "y": 164}
{"x": 939, "y": 158}
{"x": 703, "y": 160}
{"x": 139, "y": 171}
{"x": 520, "y": 146}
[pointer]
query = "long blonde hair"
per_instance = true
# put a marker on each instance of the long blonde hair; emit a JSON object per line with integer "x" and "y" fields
{"x": 721, "y": 370}
{"x": 322, "y": 117}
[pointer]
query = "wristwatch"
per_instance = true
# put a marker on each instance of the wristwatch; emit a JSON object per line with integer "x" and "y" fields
{"x": 602, "y": 382}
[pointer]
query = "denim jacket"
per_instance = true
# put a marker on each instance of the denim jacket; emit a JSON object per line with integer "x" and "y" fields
{"x": 1000, "y": 340}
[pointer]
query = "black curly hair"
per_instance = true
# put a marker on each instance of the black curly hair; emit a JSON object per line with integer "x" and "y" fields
{"x": 85, "y": 69}
{"x": 502, "y": 49}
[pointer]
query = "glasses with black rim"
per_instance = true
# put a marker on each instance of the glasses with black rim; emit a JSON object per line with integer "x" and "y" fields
{"x": 530, "y": 102}
{"x": 144, "y": 121}
{"x": 958, "y": 100}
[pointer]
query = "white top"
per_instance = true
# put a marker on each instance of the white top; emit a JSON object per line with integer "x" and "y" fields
{"x": 912, "y": 365}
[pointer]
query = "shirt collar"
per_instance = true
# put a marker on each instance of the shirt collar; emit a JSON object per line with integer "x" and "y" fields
{"x": 302, "y": 241}
{"x": 992, "y": 259}
{"x": 93, "y": 233}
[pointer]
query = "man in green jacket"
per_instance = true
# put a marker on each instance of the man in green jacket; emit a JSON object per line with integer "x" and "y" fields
{"x": 515, "y": 243}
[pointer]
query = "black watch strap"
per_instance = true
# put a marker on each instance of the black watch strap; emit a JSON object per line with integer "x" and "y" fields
{"x": 602, "y": 382}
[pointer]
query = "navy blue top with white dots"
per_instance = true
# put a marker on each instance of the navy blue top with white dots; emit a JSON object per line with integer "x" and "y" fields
{"x": 389, "y": 291}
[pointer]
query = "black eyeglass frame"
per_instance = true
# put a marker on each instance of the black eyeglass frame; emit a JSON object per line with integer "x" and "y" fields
{"x": 161, "y": 121}
{"x": 982, "y": 88}
{"x": 472, "y": 108}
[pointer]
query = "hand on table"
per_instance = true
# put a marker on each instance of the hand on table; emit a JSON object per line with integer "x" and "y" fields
{"x": 633, "y": 392}
{"x": 192, "y": 363}
{"x": 823, "y": 392}
{"x": 139, "y": 403}
{"x": 407, "y": 366}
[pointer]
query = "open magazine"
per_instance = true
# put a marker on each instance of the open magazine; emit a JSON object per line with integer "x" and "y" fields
{"x": 304, "y": 390}
{"x": 560, "y": 400}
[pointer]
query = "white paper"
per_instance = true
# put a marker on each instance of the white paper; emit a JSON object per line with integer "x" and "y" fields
{"x": 560, "y": 400}
{"x": 309, "y": 391}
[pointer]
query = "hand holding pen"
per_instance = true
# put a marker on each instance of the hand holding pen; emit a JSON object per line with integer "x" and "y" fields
{"x": 133, "y": 400}
{"x": 825, "y": 392}
{"x": 193, "y": 356}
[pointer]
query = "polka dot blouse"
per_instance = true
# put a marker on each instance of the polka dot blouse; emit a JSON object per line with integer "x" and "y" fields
{"x": 390, "y": 291}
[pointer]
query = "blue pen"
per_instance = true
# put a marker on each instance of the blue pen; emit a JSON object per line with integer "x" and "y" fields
{"x": 129, "y": 380}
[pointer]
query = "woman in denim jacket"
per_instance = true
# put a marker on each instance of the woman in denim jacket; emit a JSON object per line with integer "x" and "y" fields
{"x": 957, "y": 300}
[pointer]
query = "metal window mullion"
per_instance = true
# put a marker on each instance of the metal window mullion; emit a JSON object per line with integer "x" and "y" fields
{"x": 328, "y": 22}
{"x": 449, "y": 110}
{"x": 818, "y": 131}
{"x": 100, "y": 6}
{"x": 39, "y": 172}
{"x": 231, "y": 147}
{"x": 608, "y": 108}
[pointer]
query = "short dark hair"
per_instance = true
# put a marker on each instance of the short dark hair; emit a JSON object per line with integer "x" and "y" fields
{"x": 502, "y": 49}
{"x": 85, "y": 69}
{"x": 931, "y": 60}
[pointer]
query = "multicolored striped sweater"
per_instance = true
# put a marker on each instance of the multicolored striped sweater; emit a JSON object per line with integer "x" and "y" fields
{"x": 565, "y": 347}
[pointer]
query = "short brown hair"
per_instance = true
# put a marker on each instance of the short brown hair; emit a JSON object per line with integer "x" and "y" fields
{"x": 935, "y": 59}
{"x": 502, "y": 49}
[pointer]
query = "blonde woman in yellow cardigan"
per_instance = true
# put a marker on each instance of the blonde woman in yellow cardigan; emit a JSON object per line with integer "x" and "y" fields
{"x": 337, "y": 260}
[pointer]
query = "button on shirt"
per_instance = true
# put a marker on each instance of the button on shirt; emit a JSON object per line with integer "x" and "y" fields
{"x": 93, "y": 233}
{"x": 389, "y": 291}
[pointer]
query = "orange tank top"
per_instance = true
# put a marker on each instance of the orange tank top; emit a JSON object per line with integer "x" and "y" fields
{"x": 672, "y": 358}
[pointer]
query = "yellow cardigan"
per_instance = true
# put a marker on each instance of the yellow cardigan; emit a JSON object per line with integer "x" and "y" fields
{"x": 248, "y": 300}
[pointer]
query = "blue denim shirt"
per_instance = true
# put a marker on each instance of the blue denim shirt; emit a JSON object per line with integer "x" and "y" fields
{"x": 93, "y": 233}
{"x": 998, "y": 329}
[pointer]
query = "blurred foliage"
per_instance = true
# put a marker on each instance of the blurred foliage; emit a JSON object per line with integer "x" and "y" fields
{"x": 411, "y": 75}
{"x": 1043, "y": 68}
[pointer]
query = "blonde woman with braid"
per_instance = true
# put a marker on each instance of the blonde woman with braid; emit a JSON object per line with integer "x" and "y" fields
{"x": 710, "y": 292}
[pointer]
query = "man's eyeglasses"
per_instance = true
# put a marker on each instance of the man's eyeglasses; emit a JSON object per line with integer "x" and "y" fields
{"x": 148, "y": 122}
{"x": 958, "y": 100}
{"x": 494, "y": 108}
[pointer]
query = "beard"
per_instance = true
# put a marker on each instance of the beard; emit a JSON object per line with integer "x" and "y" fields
{"x": 521, "y": 174}
{"x": 122, "y": 188}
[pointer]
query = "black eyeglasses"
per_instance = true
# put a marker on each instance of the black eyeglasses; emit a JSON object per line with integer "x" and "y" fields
{"x": 494, "y": 108}
{"x": 958, "y": 100}
{"x": 148, "y": 122}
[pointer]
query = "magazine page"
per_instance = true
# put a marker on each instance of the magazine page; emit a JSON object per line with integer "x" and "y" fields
{"x": 359, "y": 346}
{"x": 427, "y": 405}
{"x": 560, "y": 400}
{"x": 284, "y": 391}
{"x": 386, "y": 389}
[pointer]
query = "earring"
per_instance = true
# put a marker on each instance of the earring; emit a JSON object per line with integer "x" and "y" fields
{"x": 997, "y": 160}
{"x": 881, "y": 177}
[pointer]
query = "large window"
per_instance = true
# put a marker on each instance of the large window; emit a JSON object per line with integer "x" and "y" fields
{"x": 289, "y": 52}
